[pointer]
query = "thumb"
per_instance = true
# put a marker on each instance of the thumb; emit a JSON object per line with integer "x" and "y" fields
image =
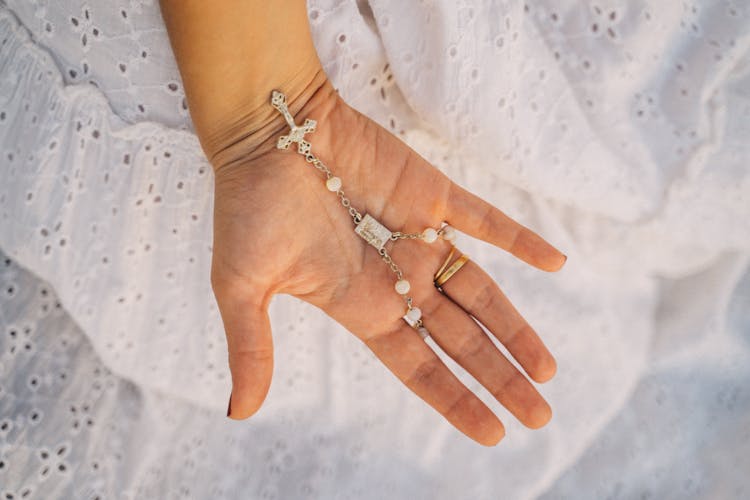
{"x": 250, "y": 345}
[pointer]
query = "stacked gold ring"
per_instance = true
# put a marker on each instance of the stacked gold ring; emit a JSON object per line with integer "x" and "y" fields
{"x": 447, "y": 271}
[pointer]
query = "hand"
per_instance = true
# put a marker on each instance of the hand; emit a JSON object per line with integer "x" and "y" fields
{"x": 277, "y": 229}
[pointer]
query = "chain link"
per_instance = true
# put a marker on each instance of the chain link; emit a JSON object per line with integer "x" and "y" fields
{"x": 355, "y": 215}
{"x": 353, "y": 212}
{"x": 398, "y": 235}
{"x": 387, "y": 258}
{"x": 311, "y": 158}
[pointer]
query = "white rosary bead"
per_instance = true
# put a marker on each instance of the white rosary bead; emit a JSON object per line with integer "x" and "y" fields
{"x": 402, "y": 287}
{"x": 423, "y": 332}
{"x": 449, "y": 234}
{"x": 429, "y": 235}
{"x": 333, "y": 184}
{"x": 414, "y": 314}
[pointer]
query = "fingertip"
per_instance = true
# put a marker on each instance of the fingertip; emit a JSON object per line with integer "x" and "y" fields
{"x": 563, "y": 261}
{"x": 478, "y": 422}
{"x": 237, "y": 416}
{"x": 545, "y": 371}
{"x": 495, "y": 437}
{"x": 251, "y": 363}
{"x": 241, "y": 410}
{"x": 490, "y": 432}
{"x": 535, "y": 250}
{"x": 539, "y": 416}
{"x": 556, "y": 263}
{"x": 252, "y": 373}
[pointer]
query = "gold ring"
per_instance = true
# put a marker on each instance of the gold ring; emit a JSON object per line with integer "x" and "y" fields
{"x": 440, "y": 280}
{"x": 445, "y": 264}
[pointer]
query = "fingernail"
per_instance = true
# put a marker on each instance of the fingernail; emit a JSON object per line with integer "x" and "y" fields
{"x": 229, "y": 408}
{"x": 566, "y": 258}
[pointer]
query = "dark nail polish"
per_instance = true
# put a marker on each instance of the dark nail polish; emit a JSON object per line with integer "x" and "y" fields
{"x": 229, "y": 408}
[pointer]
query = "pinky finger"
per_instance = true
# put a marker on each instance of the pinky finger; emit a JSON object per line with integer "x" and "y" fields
{"x": 475, "y": 217}
{"x": 408, "y": 357}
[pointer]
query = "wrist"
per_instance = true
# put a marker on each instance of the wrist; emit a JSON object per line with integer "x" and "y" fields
{"x": 253, "y": 132}
{"x": 231, "y": 55}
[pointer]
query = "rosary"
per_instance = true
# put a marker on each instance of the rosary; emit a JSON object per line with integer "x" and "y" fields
{"x": 367, "y": 227}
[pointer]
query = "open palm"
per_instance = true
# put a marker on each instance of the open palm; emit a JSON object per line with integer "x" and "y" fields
{"x": 277, "y": 229}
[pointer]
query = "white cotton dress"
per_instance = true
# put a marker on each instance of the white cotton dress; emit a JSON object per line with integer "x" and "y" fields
{"x": 618, "y": 130}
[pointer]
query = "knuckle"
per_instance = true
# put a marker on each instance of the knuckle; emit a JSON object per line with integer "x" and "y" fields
{"x": 457, "y": 405}
{"x": 219, "y": 280}
{"x": 517, "y": 237}
{"x": 471, "y": 346}
{"x": 429, "y": 305}
{"x": 425, "y": 372}
{"x": 245, "y": 355}
{"x": 486, "y": 222}
{"x": 501, "y": 391}
{"x": 382, "y": 336}
{"x": 513, "y": 333}
{"x": 484, "y": 298}
{"x": 221, "y": 289}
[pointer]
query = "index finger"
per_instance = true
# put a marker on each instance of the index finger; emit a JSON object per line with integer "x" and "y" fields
{"x": 475, "y": 217}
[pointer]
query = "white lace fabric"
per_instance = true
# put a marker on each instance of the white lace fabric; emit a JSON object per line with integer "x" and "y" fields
{"x": 617, "y": 130}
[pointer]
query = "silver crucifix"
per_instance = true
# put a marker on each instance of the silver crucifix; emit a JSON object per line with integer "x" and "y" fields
{"x": 297, "y": 132}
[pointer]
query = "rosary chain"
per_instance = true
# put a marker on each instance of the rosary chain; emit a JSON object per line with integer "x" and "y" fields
{"x": 398, "y": 235}
{"x": 333, "y": 183}
{"x": 357, "y": 218}
{"x": 311, "y": 158}
{"x": 355, "y": 215}
{"x": 387, "y": 258}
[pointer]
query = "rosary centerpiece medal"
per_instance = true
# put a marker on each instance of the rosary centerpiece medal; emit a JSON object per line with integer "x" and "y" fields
{"x": 373, "y": 232}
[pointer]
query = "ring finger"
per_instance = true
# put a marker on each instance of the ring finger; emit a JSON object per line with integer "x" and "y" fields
{"x": 464, "y": 340}
{"x": 478, "y": 294}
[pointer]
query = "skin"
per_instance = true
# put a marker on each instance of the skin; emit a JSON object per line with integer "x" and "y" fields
{"x": 278, "y": 230}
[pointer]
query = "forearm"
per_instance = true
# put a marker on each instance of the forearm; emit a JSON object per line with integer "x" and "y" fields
{"x": 231, "y": 54}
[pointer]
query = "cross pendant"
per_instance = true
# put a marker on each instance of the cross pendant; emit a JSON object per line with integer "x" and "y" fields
{"x": 297, "y": 132}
